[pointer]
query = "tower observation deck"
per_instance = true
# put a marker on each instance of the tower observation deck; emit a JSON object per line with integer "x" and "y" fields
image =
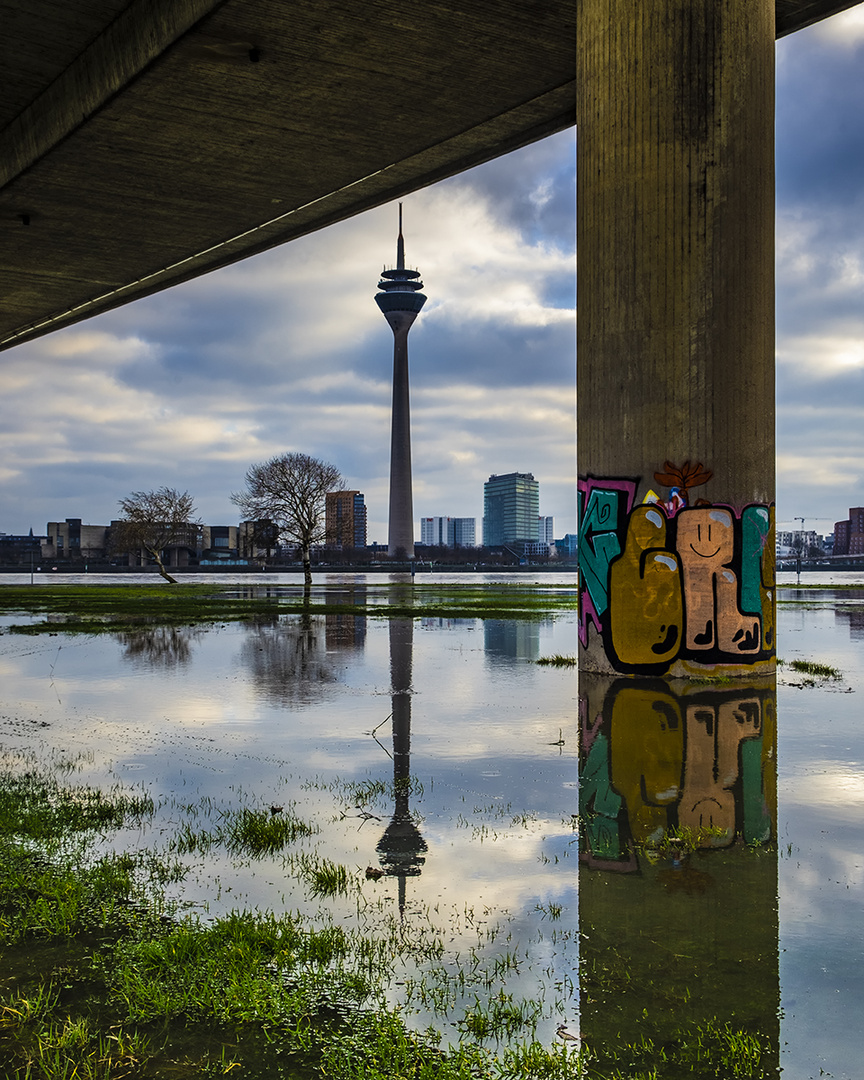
{"x": 400, "y": 301}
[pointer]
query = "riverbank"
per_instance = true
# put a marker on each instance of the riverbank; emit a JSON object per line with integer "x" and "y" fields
{"x": 48, "y": 570}
{"x": 101, "y": 608}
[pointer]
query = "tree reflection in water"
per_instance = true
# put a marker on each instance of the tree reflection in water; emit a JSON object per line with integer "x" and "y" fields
{"x": 289, "y": 660}
{"x": 678, "y": 911}
{"x": 159, "y": 646}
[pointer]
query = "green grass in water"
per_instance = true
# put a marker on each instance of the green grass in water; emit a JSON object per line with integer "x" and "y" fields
{"x": 105, "y": 980}
{"x": 95, "y": 609}
{"x": 810, "y": 667}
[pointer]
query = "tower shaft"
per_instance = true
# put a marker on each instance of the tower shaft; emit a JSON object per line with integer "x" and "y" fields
{"x": 400, "y": 538}
{"x": 400, "y": 302}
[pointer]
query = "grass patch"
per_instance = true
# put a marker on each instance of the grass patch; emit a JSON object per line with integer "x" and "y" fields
{"x": 325, "y": 878}
{"x": 38, "y": 807}
{"x": 709, "y": 1050}
{"x": 106, "y": 980}
{"x": 96, "y": 609}
{"x": 684, "y": 841}
{"x": 558, "y": 660}
{"x": 245, "y": 832}
{"x": 811, "y": 667}
{"x": 258, "y": 832}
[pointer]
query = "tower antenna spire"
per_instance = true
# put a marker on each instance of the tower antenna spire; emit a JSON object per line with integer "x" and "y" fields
{"x": 400, "y": 244}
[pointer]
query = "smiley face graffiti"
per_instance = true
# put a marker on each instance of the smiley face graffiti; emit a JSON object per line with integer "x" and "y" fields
{"x": 696, "y": 583}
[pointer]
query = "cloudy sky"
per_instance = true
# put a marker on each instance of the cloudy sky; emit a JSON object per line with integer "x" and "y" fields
{"x": 288, "y": 351}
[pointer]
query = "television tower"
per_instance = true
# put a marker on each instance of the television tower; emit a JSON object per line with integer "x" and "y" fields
{"x": 400, "y": 301}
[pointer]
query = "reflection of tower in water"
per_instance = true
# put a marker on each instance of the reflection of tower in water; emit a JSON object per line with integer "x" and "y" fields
{"x": 401, "y": 847}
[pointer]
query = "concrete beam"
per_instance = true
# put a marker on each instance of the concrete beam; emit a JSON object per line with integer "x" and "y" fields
{"x": 794, "y": 15}
{"x": 146, "y": 143}
{"x": 137, "y": 37}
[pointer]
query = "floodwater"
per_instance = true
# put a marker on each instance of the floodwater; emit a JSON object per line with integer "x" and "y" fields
{"x": 440, "y": 752}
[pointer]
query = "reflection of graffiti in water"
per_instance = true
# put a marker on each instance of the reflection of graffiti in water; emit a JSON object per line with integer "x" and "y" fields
{"x": 664, "y": 581}
{"x": 678, "y": 912}
{"x": 697, "y": 768}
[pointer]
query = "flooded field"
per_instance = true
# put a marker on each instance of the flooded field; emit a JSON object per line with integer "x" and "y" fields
{"x": 704, "y": 878}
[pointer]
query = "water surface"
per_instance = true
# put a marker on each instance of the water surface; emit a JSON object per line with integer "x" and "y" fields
{"x": 481, "y": 847}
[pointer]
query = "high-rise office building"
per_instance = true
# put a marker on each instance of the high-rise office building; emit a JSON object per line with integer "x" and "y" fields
{"x": 546, "y": 530}
{"x": 345, "y": 519}
{"x": 511, "y": 504}
{"x": 433, "y": 531}
{"x": 447, "y": 531}
{"x": 462, "y": 532}
{"x": 400, "y": 302}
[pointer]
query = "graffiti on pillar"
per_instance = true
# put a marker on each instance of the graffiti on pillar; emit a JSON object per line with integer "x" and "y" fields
{"x": 680, "y": 481}
{"x": 706, "y": 545}
{"x": 665, "y": 580}
{"x": 659, "y": 765}
{"x": 603, "y": 510}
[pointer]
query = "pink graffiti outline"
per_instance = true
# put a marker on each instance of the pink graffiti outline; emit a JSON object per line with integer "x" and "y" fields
{"x": 586, "y": 612}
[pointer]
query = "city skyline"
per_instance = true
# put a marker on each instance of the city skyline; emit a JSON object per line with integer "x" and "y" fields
{"x": 189, "y": 387}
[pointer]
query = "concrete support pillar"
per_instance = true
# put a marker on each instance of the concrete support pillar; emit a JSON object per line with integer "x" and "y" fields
{"x": 675, "y": 364}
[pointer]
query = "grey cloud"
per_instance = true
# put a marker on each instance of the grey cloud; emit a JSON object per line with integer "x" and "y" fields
{"x": 495, "y": 355}
{"x": 513, "y": 182}
{"x": 820, "y": 135}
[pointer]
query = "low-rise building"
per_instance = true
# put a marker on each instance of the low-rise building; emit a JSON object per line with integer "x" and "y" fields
{"x": 72, "y": 540}
{"x": 20, "y": 549}
{"x": 218, "y": 543}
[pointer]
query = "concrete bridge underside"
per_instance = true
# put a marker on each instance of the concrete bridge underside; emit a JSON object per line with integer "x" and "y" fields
{"x": 144, "y": 143}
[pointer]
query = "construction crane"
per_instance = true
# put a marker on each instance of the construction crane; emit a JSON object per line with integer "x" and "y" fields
{"x": 803, "y": 519}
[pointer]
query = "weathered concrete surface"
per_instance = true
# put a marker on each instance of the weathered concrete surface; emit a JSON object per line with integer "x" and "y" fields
{"x": 143, "y": 143}
{"x": 675, "y": 338}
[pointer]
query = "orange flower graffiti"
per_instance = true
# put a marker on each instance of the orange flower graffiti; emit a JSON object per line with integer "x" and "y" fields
{"x": 688, "y": 476}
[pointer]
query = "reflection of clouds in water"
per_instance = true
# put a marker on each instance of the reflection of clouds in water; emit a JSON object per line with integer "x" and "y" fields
{"x": 159, "y": 646}
{"x": 827, "y": 784}
{"x": 289, "y": 661}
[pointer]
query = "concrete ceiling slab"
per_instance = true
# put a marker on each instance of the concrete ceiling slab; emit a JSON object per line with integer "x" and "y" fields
{"x": 143, "y": 143}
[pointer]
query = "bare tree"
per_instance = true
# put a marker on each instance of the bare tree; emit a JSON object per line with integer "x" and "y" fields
{"x": 156, "y": 520}
{"x": 290, "y": 490}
